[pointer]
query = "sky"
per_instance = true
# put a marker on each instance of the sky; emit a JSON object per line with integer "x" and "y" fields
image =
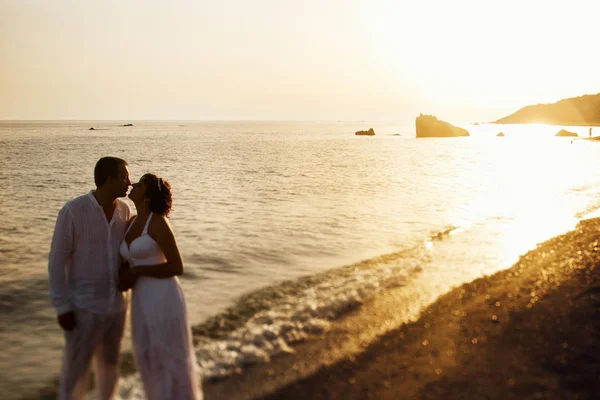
{"x": 461, "y": 60}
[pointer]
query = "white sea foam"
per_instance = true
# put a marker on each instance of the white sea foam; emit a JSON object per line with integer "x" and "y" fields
{"x": 271, "y": 332}
{"x": 294, "y": 318}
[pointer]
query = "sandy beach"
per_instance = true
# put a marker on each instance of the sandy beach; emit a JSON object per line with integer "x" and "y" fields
{"x": 527, "y": 332}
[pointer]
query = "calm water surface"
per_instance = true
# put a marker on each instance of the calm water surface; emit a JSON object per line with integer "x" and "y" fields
{"x": 256, "y": 203}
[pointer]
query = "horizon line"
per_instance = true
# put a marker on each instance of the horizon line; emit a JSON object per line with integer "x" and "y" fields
{"x": 192, "y": 120}
{"x": 229, "y": 120}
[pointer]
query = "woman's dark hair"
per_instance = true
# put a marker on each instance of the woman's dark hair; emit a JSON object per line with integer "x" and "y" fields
{"x": 105, "y": 167}
{"x": 159, "y": 193}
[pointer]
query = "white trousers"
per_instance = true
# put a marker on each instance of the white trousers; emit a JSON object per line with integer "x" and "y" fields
{"x": 96, "y": 335}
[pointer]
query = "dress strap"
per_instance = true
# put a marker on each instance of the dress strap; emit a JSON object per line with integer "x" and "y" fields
{"x": 130, "y": 225}
{"x": 145, "y": 231}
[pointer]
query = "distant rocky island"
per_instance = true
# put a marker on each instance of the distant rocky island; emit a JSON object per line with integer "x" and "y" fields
{"x": 575, "y": 111}
{"x": 370, "y": 132}
{"x": 566, "y": 133}
{"x": 430, "y": 126}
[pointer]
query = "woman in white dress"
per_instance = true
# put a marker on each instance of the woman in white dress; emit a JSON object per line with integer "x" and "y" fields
{"x": 161, "y": 335}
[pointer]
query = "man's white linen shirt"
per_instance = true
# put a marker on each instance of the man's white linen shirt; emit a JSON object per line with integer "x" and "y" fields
{"x": 84, "y": 258}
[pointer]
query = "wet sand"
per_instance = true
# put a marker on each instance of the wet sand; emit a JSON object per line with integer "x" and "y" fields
{"x": 529, "y": 332}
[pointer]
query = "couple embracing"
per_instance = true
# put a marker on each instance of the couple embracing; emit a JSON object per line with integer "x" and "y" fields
{"x": 98, "y": 252}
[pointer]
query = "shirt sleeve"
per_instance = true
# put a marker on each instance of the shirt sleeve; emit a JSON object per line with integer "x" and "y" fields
{"x": 61, "y": 250}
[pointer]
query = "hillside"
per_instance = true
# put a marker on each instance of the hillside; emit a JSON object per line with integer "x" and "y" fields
{"x": 582, "y": 111}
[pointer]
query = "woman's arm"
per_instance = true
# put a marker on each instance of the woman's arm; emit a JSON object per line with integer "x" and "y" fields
{"x": 161, "y": 232}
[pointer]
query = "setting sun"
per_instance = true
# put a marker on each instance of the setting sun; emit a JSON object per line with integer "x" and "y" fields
{"x": 373, "y": 60}
{"x": 485, "y": 56}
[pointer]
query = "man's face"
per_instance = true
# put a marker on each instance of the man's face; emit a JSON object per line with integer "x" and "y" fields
{"x": 121, "y": 182}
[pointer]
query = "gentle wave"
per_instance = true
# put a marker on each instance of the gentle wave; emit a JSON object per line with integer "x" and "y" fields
{"x": 281, "y": 315}
{"x": 266, "y": 323}
{"x": 291, "y": 318}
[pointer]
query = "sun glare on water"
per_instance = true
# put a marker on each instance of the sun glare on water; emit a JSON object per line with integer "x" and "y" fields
{"x": 529, "y": 180}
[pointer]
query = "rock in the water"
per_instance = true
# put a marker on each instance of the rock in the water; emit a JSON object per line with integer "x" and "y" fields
{"x": 370, "y": 132}
{"x": 91, "y": 129}
{"x": 128, "y": 125}
{"x": 430, "y": 126}
{"x": 564, "y": 132}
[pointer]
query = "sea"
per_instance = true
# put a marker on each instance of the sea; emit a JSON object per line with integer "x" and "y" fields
{"x": 284, "y": 226}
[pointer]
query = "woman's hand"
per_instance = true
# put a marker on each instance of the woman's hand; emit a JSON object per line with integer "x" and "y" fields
{"x": 124, "y": 279}
{"x": 128, "y": 277}
{"x": 67, "y": 321}
{"x": 132, "y": 276}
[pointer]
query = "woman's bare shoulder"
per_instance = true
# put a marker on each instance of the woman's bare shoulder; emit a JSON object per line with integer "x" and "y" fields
{"x": 159, "y": 224}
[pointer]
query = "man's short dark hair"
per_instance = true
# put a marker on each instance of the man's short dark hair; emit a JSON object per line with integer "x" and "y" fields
{"x": 105, "y": 167}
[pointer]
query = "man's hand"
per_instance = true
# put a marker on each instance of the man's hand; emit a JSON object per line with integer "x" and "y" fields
{"x": 67, "y": 321}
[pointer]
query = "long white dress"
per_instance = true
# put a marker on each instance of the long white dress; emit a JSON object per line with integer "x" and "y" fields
{"x": 160, "y": 331}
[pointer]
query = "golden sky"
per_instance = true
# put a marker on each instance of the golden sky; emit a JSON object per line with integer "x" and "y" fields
{"x": 462, "y": 60}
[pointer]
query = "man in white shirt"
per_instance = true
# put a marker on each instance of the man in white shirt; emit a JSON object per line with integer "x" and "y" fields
{"x": 83, "y": 270}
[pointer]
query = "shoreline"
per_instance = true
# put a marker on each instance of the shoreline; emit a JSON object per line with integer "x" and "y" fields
{"x": 525, "y": 332}
{"x": 372, "y": 350}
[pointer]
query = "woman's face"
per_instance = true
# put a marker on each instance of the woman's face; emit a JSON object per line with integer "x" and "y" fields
{"x": 138, "y": 191}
